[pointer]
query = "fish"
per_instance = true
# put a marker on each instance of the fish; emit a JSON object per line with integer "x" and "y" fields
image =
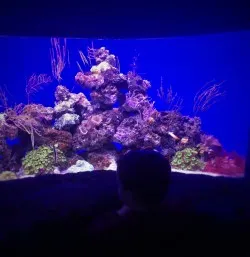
{"x": 118, "y": 146}
{"x": 12, "y": 142}
{"x": 55, "y": 152}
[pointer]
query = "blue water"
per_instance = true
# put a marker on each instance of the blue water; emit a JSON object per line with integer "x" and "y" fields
{"x": 186, "y": 63}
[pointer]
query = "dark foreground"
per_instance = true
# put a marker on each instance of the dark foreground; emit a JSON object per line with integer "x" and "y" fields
{"x": 29, "y": 201}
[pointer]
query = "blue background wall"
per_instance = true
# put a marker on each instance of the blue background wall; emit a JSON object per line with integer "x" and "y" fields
{"x": 187, "y": 63}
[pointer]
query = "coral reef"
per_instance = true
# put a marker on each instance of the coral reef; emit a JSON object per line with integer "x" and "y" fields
{"x": 43, "y": 160}
{"x": 187, "y": 159}
{"x": 80, "y": 134}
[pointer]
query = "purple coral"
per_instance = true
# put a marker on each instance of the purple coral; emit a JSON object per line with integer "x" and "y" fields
{"x": 130, "y": 132}
{"x": 89, "y": 80}
{"x": 137, "y": 84}
{"x": 40, "y": 113}
{"x": 94, "y": 133}
{"x": 62, "y": 93}
{"x": 107, "y": 95}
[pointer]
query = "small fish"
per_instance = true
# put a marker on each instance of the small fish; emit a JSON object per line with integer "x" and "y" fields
{"x": 118, "y": 146}
{"x": 55, "y": 153}
{"x": 173, "y": 135}
{"x": 80, "y": 151}
{"x": 12, "y": 142}
{"x": 184, "y": 140}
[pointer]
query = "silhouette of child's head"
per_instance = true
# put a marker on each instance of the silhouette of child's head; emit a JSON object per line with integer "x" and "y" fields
{"x": 143, "y": 177}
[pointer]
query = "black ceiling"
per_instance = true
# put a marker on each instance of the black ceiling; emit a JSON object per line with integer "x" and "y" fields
{"x": 127, "y": 19}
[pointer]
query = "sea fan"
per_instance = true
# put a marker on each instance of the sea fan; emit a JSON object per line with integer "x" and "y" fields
{"x": 35, "y": 83}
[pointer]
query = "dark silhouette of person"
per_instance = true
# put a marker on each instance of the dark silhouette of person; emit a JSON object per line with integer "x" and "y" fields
{"x": 143, "y": 178}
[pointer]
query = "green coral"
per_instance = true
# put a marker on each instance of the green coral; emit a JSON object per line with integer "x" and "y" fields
{"x": 43, "y": 159}
{"x": 7, "y": 175}
{"x": 187, "y": 159}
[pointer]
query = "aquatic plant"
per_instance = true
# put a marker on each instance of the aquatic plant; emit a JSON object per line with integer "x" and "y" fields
{"x": 230, "y": 164}
{"x": 7, "y": 175}
{"x": 187, "y": 159}
{"x": 43, "y": 160}
{"x": 207, "y": 96}
{"x": 35, "y": 83}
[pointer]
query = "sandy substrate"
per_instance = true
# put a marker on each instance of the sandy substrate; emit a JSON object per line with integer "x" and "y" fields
{"x": 204, "y": 173}
{"x": 173, "y": 170}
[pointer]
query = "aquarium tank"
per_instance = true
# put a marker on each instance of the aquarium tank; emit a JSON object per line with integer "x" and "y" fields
{"x": 71, "y": 105}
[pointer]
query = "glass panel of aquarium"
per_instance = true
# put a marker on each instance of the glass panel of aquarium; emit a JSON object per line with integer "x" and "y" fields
{"x": 73, "y": 105}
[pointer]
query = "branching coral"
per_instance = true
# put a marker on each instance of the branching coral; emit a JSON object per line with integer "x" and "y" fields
{"x": 187, "y": 159}
{"x": 59, "y": 57}
{"x": 35, "y": 83}
{"x": 207, "y": 96}
{"x": 26, "y": 124}
{"x": 170, "y": 99}
{"x": 43, "y": 160}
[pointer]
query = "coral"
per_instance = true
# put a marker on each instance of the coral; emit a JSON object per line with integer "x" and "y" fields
{"x": 43, "y": 160}
{"x": 101, "y": 67}
{"x": 58, "y": 57}
{"x": 100, "y": 54}
{"x": 66, "y": 121}
{"x": 229, "y": 164}
{"x": 7, "y": 130}
{"x": 80, "y": 166}
{"x": 152, "y": 140}
{"x": 136, "y": 84}
{"x": 187, "y": 159}
{"x": 69, "y": 102}
{"x": 103, "y": 160}
{"x": 209, "y": 147}
{"x": 35, "y": 83}
{"x": 90, "y": 81}
{"x": 107, "y": 95}
{"x": 7, "y": 175}
{"x": 5, "y": 154}
{"x": 131, "y": 132}
{"x": 52, "y": 136}
{"x": 94, "y": 133}
{"x": 62, "y": 93}
{"x": 191, "y": 129}
{"x": 119, "y": 115}
{"x": 40, "y": 113}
